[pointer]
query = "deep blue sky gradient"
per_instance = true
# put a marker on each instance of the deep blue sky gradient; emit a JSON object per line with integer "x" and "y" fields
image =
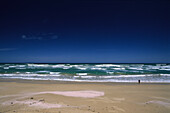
{"x": 88, "y": 31}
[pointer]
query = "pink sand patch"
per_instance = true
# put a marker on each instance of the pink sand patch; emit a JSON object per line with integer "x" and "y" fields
{"x": 82, "y": 94}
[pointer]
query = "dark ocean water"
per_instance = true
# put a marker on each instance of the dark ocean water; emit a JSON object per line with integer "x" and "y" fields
{"x": 88, "y": 72}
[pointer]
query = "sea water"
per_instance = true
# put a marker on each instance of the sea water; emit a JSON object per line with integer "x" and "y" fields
{"x": 88, "y": 72}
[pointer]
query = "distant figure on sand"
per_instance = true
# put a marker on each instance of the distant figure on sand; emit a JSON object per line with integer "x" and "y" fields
{"x": 138, "y": 81}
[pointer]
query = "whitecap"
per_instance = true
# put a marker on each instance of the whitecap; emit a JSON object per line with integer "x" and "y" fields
{"x": 6, "y": 67}
{"x": 118, "y": 68}
{"x": 54, "y": 72}
{"x": 81, "y": 68}
{"x": 107, "y": 65}
{"x": 81, "y": 74}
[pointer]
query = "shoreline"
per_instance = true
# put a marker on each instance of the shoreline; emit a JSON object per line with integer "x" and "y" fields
{"x": 76, "y": 82}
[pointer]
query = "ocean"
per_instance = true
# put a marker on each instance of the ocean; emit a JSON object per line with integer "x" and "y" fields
{"x": 152, "y": 73}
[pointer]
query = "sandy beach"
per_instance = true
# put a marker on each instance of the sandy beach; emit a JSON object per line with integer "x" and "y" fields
{"x": 27, "y": 96}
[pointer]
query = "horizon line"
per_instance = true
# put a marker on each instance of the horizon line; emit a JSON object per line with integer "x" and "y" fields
{"x": 82, "y": 63}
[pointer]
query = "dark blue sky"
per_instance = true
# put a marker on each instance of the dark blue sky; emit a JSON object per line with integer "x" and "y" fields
{"x": 93, "y": 31}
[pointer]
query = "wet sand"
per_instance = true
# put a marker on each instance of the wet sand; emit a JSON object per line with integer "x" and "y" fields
{"x": 27, "y": 96}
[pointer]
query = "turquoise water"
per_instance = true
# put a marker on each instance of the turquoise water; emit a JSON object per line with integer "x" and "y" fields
{"x": 88, "y": 72}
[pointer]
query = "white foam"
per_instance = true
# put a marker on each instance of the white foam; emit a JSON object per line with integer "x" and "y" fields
{"x": 118, "y": 68}
{"x": 12, "y": 66}
{"x": 20, "y": 68}
{"x": 76, "y": 76}
{"x": 66, "y": 67}
{"x": 42, "y": 71}
{"x": 6, "y": 67}
{"x": 20, "y": 65}
{"x": 131, "y": 76}
{"x": 88, "y": 76}
{"x": 81, "y": 74}
{"x": 155, "y": 67}
{"x": 106, "y": 77}
{"x": 97, "y": 68}
{"x": 94, "y": 68}
{"x": 165, "y": 74}
{"x": 38, "y": 65}
{"x": 165, "y": 69}
{"x": 107, "y": 65}
{"x": 54, "y": 72}
{"x": 135, "y": 68}
{"x": 81, "y": 68}
{"x": 110, "y": 72}
{"x": 77, "y": 65}
{"x": 167, "y": 66}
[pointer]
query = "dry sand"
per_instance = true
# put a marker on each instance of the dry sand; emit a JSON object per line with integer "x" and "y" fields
{"x": 26, "y": 96}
